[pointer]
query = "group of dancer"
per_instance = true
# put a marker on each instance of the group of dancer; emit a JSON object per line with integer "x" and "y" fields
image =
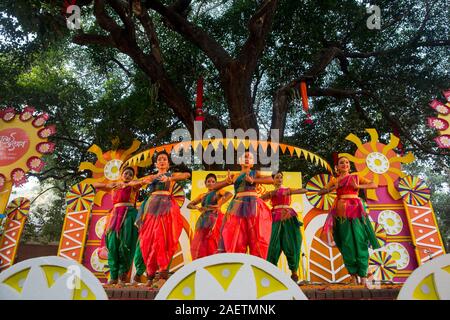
{"x": 149, "y": 235}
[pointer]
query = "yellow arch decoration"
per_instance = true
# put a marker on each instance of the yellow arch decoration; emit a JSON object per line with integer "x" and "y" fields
{"x": 143, "y": 159}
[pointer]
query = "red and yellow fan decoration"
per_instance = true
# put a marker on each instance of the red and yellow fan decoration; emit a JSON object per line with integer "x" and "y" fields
{"x": 23, "y": 141}
{"x": 441, "y": 123}
{"x": 414, "y": 191}
{"x": 378, "y": 162}
{"x": 318, "y": 182}
{"x": 107, "y": 167}
{"x": 17, "y": 213}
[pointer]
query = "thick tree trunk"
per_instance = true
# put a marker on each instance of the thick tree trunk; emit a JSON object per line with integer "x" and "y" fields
{"x": 237, "y": 87}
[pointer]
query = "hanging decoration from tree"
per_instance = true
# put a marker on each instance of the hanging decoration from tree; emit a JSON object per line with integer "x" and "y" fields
{"x": 441, "y": 123}
{"x": 305, "y": 102}
{"x": 199, "y": 101}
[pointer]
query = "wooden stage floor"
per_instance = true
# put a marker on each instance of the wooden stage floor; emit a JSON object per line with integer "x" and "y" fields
{"x": 312, "y": 291}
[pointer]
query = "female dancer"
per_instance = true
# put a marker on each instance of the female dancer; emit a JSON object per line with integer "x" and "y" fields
{"x": 286, "y": 234}
{"x": 348, "y": 222}
{"x": 120, "y": 232}
{"x": 207, "y": 228}
{"x": 248, "y": 222}
{"x": 160, "y": 224}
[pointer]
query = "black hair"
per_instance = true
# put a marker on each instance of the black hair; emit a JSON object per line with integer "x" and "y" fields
{"x": 162, "y": 152}
{"x": 277, "y": 172}
{"x": 125, "y": 168}
{"x": 210, "y": 175}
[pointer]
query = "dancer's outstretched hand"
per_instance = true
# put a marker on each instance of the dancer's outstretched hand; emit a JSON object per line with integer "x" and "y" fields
{"x": 229, "y": 177}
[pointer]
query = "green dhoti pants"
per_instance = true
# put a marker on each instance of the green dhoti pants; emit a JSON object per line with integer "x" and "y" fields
{"x": 352, "y": 237}
{"x": 122, "y": 245}
{"x": 138, "y": 260}
{"x": 286, "y": 237}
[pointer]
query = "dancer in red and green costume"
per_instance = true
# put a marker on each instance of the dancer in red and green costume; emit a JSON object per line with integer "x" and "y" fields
{"x": 348, "y": 223}
{"x": 160, "y": 224}
{"x": 248, "y": 222}
{"x": 120, "y": 232}
{"x": 286, "y": 235}
{"x": 207, "y": 229}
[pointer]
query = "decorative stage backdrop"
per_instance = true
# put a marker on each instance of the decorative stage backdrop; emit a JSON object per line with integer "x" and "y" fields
{"x": 399, "y": 208}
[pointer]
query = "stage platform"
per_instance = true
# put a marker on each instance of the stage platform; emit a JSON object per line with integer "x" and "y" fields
{"x": 312, "y": 291}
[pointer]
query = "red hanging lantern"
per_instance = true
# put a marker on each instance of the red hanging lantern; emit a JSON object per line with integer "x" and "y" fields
{"x": 199, "y": 101}
{"x": 305, "y": 102}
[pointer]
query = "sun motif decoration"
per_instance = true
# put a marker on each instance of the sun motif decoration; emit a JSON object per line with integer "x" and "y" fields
{"x": 378, "y": 162}
{"x": 107, "y": 167}
{"x": 23, "y": 141}
{"x": 50, "y": 278}
{"x": 391, "y": 222}
{"x": 231, "y": 276}
{"x": 399, "y": 253}
{"x": 441, "y": 123}
{"x": 431, "y": 281}
{"x": 97, "y": 263}
{"x": 382, "y": 266}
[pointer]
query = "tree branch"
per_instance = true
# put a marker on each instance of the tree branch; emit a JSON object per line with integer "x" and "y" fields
{"x": 260, "y": 25}
{"x": 197, "y": 36}
{"x": 89, "y": 39}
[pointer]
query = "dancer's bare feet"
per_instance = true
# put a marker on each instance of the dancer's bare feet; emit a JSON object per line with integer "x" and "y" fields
{"x": 137, "y": 279}
{"x": 354, "y": 280}
{"x": 122, "y": 279}
{"x": 158, "y": 284}
{"x": 112, "y": 282}
{"x": 294, "y": 277}
{"x": 364, "y": 282}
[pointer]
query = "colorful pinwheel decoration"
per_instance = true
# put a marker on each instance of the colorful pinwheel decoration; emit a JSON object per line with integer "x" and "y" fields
{"x": 382, "y": 266}
{"x": 414, "y": 191}
{"x": 318, "y": 182}
{"x": 18, "y": 209}
{"x": 178, "y": 194}
{"x": 80, "y": 197}
{"x": 380, "y": 233}
{"x": 442, "y": 122}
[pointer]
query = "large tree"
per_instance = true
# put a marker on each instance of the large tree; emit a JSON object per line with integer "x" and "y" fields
{"x": 245, "y": 47}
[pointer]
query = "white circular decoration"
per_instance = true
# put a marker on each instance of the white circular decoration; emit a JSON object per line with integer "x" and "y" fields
{"x": 230, "y": 276}
{"x": 391, "y": 222}
{"x": 399, "y": 254}
{"x": 98, "y": 264}
{"x": 100, "y": 227}
{"x": 112, "y": 169}
{"x": 377, "y": 162}
{"x": 50, "y": 278}
{"x": 431, "y": 281}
